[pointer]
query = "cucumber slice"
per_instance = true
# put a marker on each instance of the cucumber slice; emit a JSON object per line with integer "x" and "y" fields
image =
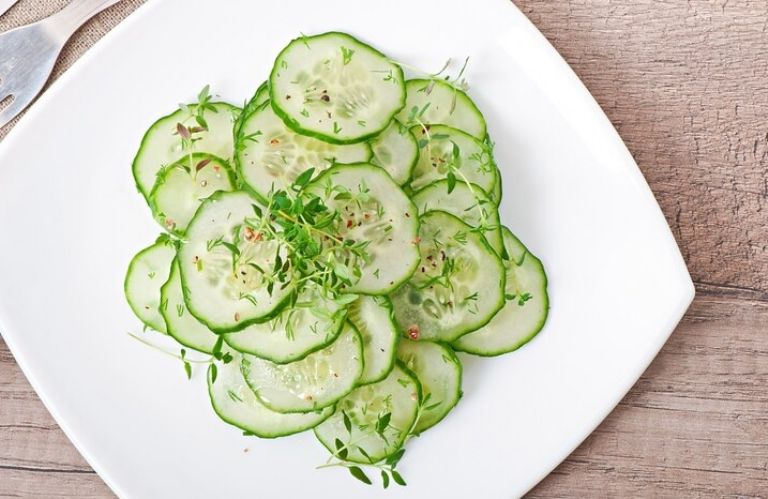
{"x": 147, "y": 273}
{"x": 235, "y": 403}
{"x": 271, "y": 156}
{"x": 315, "y": 382}
{"x": 161, "y": 145}
{"x": 376, "y": 211}
{"x": 396, "y": 150}
{"x": 439, "y": 372}
{"x": 436, "y": 102}
{"x": 181, "y": 188}
{"x": 260, "y": 97}
{"x": 468, "y": 202}
{"x": 444, "y": 150}
{"x": 336, "y": 88}
{"x": 221, "y": 286}
{"x": 372, "y": 316}
{"x": 396, "y": 395}
{"x": 459, "y": 286}
{"x": 525, "y": 312}
{"x": 515, "y": 248}
{"x": 180, "y": 324}
{"x": 312, "y": 323}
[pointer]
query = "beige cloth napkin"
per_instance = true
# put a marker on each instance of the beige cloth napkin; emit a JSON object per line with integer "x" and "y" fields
{"x": 27, "y": 11}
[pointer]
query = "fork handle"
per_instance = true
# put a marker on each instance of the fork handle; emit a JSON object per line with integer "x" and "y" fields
{"x": 69, "y": 19}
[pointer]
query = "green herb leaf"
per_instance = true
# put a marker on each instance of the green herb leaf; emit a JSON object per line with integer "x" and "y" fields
{"x": 360, "y": 475}
{"x": 303, "y": 179}
{"x": 395, "y": 458}
{"x": 398, "y": 478}
{"x": 384, "y": 479}
{"x": 214, "y": 373}
{"x": 347, "y": 422}
{"x": 451, "y": 182}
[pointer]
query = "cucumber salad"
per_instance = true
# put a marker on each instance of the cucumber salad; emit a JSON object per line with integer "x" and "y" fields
{"x": 329, "y": 247}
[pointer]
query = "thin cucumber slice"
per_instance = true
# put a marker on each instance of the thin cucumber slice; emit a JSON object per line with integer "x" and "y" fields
{"x": 235, "y": 403}
{"x": 222, "y": 288}
{"x": 260, "y": 97}
{"x": 396, "y": 395}
{"x": 180, "y": 324}
{"x": 376, "y": 211}
{"x": 271, "y": 156}
{"x": 162, "y": 144}
{"x": 314, "y": 382}
{"x": 147, "y": 273}
{"x": 181, "y": 188}
{"x": 312, "y": 323}
{"x": 525, "y": 312}
{"x": 468, "y": 202}
{"x": 372, "y": 316}
{"x": 459, "y": 286}
{"x": 515, "y": 248}
{"x": 435, "y": 102}
{"x": 439, "y": 372}
{"x": 336, "y": 88}
{"x": 446, "y": 151}
{"x": 396, "y": 150}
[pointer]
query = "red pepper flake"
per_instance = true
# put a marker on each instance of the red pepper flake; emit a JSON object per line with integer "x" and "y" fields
{"x": 413, "y": 332}
{"x": 251, "y": 235}
{"x": 350, "y": 223}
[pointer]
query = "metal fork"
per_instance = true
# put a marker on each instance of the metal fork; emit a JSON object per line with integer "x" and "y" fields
{"x": 28, "y": 53}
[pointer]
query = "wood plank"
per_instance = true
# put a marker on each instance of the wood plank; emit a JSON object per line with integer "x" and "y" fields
{"x": 685, "y": 85}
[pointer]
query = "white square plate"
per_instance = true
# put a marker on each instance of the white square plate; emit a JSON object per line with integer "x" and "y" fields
{"x": 71, "y": 220}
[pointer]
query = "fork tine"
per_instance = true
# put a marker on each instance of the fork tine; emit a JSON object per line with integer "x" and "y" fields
{"x": 12, "y": 110}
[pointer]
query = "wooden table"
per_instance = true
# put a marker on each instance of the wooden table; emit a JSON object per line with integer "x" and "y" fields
{"x": 686, "y": 84}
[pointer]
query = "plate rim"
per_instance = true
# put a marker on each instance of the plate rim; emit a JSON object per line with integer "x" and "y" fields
{"x": 684, "y": 281}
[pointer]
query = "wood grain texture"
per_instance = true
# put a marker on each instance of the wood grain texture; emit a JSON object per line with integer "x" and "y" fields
{"x": 686, "y": 84}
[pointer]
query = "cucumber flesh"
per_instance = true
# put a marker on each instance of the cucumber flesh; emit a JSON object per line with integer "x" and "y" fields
{"x": 182, "y": 325}
{"x": 336, "y": 88}
{"x": 182, "y": 187}
{"x": 271, "y": 156}
{"x": 524, "y": 314}
{"x": 372, "y": 316}
{"x": 313, "y": 323}
{"x": 377, "y": 211}
{"x": 221, "y": 287}
{"x": 439, "y": 372}
{"x": 444, "y": 150}
{"x": 309, "y": 384}
{"x": 235, "y": 403}
{"x": 147, "y": 273}
{"x": 435, "y": 102}
{"x": 396, "y": 150}
{"x": 162, "y": 145}
{"x": 468, "y": 202}
{"x": 396, "y": 395}
{"x": 458, "y": 287}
